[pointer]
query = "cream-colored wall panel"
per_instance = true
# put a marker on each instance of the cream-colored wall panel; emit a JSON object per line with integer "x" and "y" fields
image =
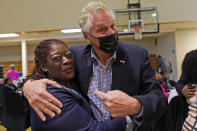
{"x": 34, "y": 15}
{"x": 10, "y": 53}
{"x": 186, "y": 40}
{"x": 163, "y": 45}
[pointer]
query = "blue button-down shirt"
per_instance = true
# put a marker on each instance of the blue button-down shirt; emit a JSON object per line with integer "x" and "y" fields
{"x": 101, "y": 80}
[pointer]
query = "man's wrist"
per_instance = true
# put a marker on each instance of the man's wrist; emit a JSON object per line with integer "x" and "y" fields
{"x": 137, "y": 119}
{"x": 140, "y": 113}
{"x": 137, "y": 106}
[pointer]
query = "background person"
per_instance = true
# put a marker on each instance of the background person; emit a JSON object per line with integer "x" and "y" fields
{"x": 15, "y": 108}
{"x": 104, "y": 65}
{"x": 187, "y": 84}
{"x": 13, "y": 74}
{"x": 9, "y": 84}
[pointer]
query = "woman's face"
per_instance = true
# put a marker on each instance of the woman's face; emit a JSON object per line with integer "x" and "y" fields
{"x": 59, "y": 63}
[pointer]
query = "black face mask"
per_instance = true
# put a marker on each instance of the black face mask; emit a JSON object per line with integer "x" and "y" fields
{"x": 108, "y": 43}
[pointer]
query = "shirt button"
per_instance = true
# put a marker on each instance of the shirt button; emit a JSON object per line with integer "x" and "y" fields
{"x": 106, "y": 118}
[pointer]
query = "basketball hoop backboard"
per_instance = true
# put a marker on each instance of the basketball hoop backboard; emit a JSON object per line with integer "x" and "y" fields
{"x": 147, "y": 17}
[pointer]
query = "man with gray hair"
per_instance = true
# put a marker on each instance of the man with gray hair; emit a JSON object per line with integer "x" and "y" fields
{"x": 119, "y": 74}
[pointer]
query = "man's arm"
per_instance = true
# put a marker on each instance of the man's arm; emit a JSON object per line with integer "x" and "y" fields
{"x": 40, "y": 100}
{"x": 152, "y": 100}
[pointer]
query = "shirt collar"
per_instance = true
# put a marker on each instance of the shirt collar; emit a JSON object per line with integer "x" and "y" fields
{"x": 95, "y": 60}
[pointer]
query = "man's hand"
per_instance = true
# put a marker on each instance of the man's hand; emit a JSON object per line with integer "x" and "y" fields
{"x": 119, "y": 103}
{"x": 188, "y": 91}
{"x": 40, "y": 100}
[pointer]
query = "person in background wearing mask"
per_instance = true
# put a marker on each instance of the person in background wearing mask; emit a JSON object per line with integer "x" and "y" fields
{"x": 120, "y": 74}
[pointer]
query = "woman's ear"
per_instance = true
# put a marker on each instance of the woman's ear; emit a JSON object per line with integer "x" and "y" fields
{"x": 44, "y": 68}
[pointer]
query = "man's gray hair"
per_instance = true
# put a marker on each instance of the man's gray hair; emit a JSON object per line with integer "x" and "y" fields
{"x": 86, "y": 13}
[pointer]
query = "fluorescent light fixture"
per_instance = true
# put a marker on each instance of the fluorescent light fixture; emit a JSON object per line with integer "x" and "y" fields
{"x": 8, "y": 35}
{"x": 71, "y": 31}
{"x": 153, "y": 14}
{"x": 125, "y": 30}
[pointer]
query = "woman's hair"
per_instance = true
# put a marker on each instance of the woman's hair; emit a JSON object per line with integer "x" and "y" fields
{"x": 41, "y": 52}
{"x": 189, "y": 67}
{"x": 88, "y": 10}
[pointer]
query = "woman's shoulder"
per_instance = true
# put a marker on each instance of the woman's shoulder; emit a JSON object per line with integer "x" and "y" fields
{"x": 63, "y": 92}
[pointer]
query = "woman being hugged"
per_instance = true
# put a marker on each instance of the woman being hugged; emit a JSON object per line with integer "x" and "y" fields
{"x": 53, "y": 61}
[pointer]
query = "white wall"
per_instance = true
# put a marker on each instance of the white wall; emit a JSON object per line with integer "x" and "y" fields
{"x": 165, "y": 47}
{"x": 186, "y": 40}
{"x": 147, "y": 43}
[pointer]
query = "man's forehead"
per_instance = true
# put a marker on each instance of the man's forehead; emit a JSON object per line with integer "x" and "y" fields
{"x": 101, "y": 15}
{"x": 102, "y": 20}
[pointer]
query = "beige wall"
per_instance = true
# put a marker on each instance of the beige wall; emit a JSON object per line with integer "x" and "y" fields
{"x": 10, "y": 53}
{"x": 34, "y": 15}
{"x": 186, "y": 40}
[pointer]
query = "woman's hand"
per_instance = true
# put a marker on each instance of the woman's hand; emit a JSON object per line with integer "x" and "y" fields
{"x": 188, "y": 91}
